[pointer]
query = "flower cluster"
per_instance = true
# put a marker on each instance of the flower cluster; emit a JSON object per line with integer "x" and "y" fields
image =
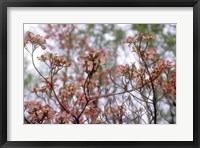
{"x": 172, "y": 81}
{"x": 162, "y": 66}
{"x": 54, "y": 59}
{"x": 93, "y": 60}
{"x": 40, "y": 89}
{"x": 43, "y": 88}
{"x": 62, "y": 118}
{"x": 68, "y": 91}
{"x": 169, "y": 85}
{"x": 38, "y": 113}
{"x": 92, "y": 111}
{"x": 35, "y": 39}
{"x": 149, "y": 54}
{"x": 138, "y": 38}
{"x": 165, "y": 76}
{"x": 161, "y": 73}
{"x": 128, "y": 71}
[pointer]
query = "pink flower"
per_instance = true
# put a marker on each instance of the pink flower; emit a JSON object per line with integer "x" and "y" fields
{"x": 38, "y": 113}
{"x": 151, "y": 51}
{"x": 160, "y": 62}
{"x": 35, "y": 39}
{"x": 61, "y": 118}
{"x": 49, "y": 112}
{"x": 26, "y": 40}
{"x": 43, "y": 47}
{"x": 151, "y": 57}
{"x": 33, "y": 105}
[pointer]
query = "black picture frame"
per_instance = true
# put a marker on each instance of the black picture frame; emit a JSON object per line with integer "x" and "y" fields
{"x": 4, "y": 4}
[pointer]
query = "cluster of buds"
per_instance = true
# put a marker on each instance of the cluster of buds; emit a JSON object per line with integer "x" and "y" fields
{"x": 146, "y": 54}
{"x": 162, "y": 65}
{"x": 119, "y": 70}
{"x": 92, "y": 111}
{"x": 48, "y": 110}
{"x": 161, "y": 68}
{"x": 93, "y": 60}
{"x": 128, "y": 71}
{"x": 62, "y": 118}
{"x": 148, "y": 38}
{"x": 54, "y": 59}
{"x": 68, "y": 91}
{"x": 33, "y": 106}
{"x": 172, "y": 81}
{"x": 138, "y": 38}
{"x": 150, "y": 53}
{"x": 38, "y": 112}
{"x": 44, "y": 88}
{"x": 169, "y": 85}
{"x": 35, "y": 39}
{"x": 40, "y": 89}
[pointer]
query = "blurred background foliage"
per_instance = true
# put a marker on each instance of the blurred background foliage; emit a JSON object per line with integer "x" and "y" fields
{"x": 165, "y": 34}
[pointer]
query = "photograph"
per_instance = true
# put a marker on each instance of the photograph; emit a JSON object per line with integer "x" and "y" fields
{"x": 99, "y": 73}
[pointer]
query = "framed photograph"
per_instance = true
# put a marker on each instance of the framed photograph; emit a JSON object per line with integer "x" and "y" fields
{"x": 99, "y": 73}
